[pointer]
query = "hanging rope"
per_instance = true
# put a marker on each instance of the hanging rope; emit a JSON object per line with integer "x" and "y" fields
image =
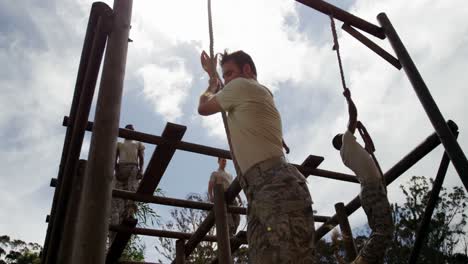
{"x": 210, "y": 28}
{"x": 213, "y": 66}
{"x": 336, "y": 47}
{"x": 361, "y": 128}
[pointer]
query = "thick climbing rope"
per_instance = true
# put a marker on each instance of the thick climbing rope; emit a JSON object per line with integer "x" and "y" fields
{"x": 213, "y": 67}
{"x": 363, "y": 131}
{"x": 336, "y": 47}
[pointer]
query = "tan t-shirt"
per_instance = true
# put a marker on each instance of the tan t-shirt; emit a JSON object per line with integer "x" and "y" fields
{"x": 128, "y": 151}
{"x": 222, "y": 177}
{"x": 359, "y": 160}
{"x": 254, "y": 122}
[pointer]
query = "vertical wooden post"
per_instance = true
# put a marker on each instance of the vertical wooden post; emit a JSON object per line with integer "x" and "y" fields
{"x": 430, "y": 206}
{"x": 93, "y": 223}
{"x": 93, "y": 50}
{"x": 350, "y": 248}
{"x": 180, "y": 251}
{"x": 452, "y": 148}
{"x": 69, "y": 231}
{"x": 222, "y": 230}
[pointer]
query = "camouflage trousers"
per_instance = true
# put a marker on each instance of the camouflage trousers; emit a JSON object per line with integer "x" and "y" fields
{"x": 379, "y": 215}
{"x": 233, "y": 220}
{"x": 120, "y": 209}
{"x": 280, "y": 218}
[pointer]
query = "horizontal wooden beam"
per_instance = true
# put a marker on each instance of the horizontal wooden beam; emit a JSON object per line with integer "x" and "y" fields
{"x": 342, "y": 15}
{"x": 216, "y": 152}
{"x": 372, "y": 46}
{"x": 158, "y": 140}
{"x": 173, "y": 201}
{"x": 159, "y": 233}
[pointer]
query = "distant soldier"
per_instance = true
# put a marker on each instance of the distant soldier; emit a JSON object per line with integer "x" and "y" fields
{"x": 129, "y": 162}
{"x": 223, "y": 177}
{"x": 373, "y": 195}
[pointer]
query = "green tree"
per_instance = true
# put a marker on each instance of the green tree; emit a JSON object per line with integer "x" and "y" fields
{"x": 188, "y": 220}
{"x": 446, "y": 240}
{"x": 14, "y": 251}
{"x": 135, "y": 249}
{"x": 446, "y": 230}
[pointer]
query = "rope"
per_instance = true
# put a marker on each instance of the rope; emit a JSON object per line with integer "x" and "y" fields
{"x": 213, "y": 66}
{"x": 336, "y": 47}
{"x": 363, "y": 131}
{"x": 210, "y": 28}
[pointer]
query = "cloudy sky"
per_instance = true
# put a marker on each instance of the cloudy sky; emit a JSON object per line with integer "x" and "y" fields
{"x": 41, "y": 41}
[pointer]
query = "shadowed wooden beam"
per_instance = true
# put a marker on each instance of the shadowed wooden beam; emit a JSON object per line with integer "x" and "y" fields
{"x": 342, "y": 15}
{"x": 216, "y": 152}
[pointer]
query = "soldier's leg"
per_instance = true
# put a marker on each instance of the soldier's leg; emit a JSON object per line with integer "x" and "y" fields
{"x": 282, "y": 238}
{"x": 117, "y": 206}
{"x": 132, "y": 185}
{"x": 281, "y": 225}
{"x": 377, "y": 208}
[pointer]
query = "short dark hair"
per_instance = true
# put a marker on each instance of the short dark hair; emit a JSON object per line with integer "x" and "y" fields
{"x": 129, "y": 126}
{"x": 338, "y": 141}
{"x": 240, "y": 58}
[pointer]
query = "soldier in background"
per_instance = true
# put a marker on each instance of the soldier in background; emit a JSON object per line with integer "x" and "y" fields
{"x": 129, "y": 162}
{"x": 225, "y": 178}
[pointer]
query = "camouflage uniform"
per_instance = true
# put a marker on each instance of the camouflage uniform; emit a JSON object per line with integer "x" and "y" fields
{"x": 126, "y": 178}
{"x": 280, "y": 219}
{"x": 377, "y": 208}
{"x": 233, "y": 220}
{"x": 225, "y": 178}
{"x": 373, "y": 197}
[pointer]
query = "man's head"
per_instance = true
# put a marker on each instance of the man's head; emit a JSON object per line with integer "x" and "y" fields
{"x": 338, "y": 141}
{"x": 129, "y": 126}
{"x": 222, "y": 163}
{"x": 237, "y": 64}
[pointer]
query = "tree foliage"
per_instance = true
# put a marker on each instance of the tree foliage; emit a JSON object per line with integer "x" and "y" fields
{"x": 188, "y": 220}
{"x": 15, "y": 251}
{"x": 446, "y": 240}
{"x": 447, "y": 229}
{"x": 135, "y": 249}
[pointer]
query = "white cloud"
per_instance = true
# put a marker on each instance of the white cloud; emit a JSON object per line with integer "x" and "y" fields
{"x": 166, "y": 88}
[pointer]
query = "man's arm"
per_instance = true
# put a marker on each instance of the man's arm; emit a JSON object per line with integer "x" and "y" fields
{"x": 352, "y": 111}
{"x": 141, "y": 160}
{"x": 116, "y": 158}
{"x": 210, "y": 190}
{"x": 208, "y": 104}
{"x": 286, "y": 148}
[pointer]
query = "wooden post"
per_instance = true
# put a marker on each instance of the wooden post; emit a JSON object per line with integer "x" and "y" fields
{"x": 93, "y": 223}
{"x": 350, "y": 248}
{"x": 222, "y": 230}
{"x": 430, "y": 206}
{"x": 452, "y": 148}
{"x": 69, "y": 231}
{"x": 180, "y": 251}
{"x": 93, "y": 49}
